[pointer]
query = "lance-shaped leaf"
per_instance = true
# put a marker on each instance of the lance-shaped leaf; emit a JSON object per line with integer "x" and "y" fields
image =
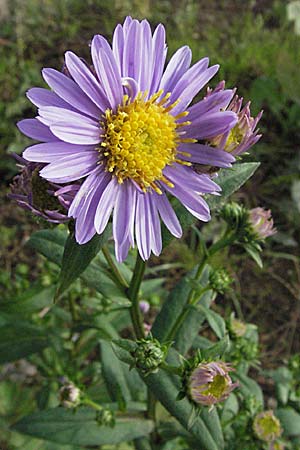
{"x": 20, "y": 339}
{"x": 114, "y": 375}
{"x": 76, "y": 258}
{"x": 231, "y": 180}
{"x": 80, "y": 427}
{"x": 50, "y": 243}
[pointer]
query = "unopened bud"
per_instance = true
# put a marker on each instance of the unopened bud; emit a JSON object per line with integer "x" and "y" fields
{"x": 262, "y": 222}
{"x": 69, "y": 395}
{"x": 105, "y": 417}
{"x": 149, "y": 354}
{"x": 266, "y": 426}
{"x": 219, "y": 280}
{"x": 237, "y": 327}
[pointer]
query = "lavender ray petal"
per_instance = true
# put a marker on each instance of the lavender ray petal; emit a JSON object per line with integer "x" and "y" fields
{"x": 36, "y": 130}
{"x": 210, "y": 104}
{"x": 142, "y": 226}
{"x": 188, "y": 179}
{"x": 109, "y": 77}
{"x": 204, "y": 154}
{"x": 192, "y": 201}
{"x": 118, "y": 46}
{"x": 70, "y": 167}
{"x": 145, "y": 61}
{"x": 158, "y": 57}
{"x": 52, "y": 151}
{"x": 122, "y": 216}
{"x": 132, "y": 51}
{"x": 188, "y": 88}
{"x": 93, "y": 179}
{"x": 122, "y": 250}
{"x": 106, "y": 204}
{"x": 77, "y": 133}
{"x": 43, "y": 97}
{"x": 69, "y": 91}
{"x": 156, "y": 241}
{"x": 178, "y": 65}
{"x": 211, "y": 125}
{"x": 86, "y": 80}
{"x": 49, "y": 115}
{"x": 84, "y": 227}
{"x": 168, "y": 215}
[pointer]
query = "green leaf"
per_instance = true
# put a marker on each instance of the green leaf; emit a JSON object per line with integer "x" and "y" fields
{"x": 230, "y": 409}
{"x": 19, "y": 340}
{"x": 217, "y": 350}
{"x": 76, "y": 258}
{"x": 249, "y": 387}
{"x": 34, "y": 299}
{"x": 290, "y": 421}
{"x": 230, "y": 181}
{"x": 212, "y": 421}
{"x": 49, "y": 243}
{"x": 165, "y": 390}
{"x": 80, "y": 427}
{"x": 216, "y": 322}
{"x": 114, "y": 374}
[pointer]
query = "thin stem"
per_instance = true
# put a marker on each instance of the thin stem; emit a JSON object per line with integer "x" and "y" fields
{"x": 117, "y": 274}
{"x": 194, "y": 296}
{"x": 132, "y": 294}
{"x": 87, "y": 401}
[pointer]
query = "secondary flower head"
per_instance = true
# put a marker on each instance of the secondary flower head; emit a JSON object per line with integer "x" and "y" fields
{"x": 262, "y": 222}
{"x": 267, "y": 427}
{"x": 69, "y": 395}
{"x": 124, "y": 127}
{"x": 44, "y": 199}
{"x": 243, "y": 135}
{"x": 210, "y": 383}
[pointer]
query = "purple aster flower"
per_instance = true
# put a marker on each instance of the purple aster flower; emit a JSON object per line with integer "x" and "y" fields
{"x": 262, "y": 222}
{"x": 210, "y": 383}
{"x": 243, "y": 135}
{"x": 44, "y": 199}
{"x": 120, "y": 127}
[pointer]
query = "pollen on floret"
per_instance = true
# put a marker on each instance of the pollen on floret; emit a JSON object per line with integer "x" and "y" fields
{"x": 140, "y": 139}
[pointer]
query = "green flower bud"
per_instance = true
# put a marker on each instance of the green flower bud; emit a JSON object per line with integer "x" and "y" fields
{"x": 219, "y": 280}
{"x": 69, "y": 395}
{"x": 266, "y": 426}
{"x": 149, "y": 354}
{"x": 106, "y": 418}
{"x": 237, "y": 327}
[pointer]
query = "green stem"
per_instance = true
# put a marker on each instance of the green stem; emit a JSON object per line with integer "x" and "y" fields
{"x": 116, "y": 273}
{"x": 87, "y": 401}
{"x": 132, "y": 294}
{"x": 194, "y": 296}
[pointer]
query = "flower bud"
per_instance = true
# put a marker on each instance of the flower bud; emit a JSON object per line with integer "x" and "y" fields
{"x": 210, "y": 383}
{"x": 46, "y": 200}
{"x": 262, "y": 222}
{"x": 266, "y": 426}
{"x": 149, "y": 354}
{"x": 219, "y": 280}
{"x": 243, "y": 135}
{"x": 237, "y": 327}
{"x": 69, "y": 395}
{"x": 105, "y": 417}
{"x": 144, "y": 306}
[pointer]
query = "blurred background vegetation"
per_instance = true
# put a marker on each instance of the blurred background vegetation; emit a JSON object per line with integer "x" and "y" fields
{"x": 257, "y": 45}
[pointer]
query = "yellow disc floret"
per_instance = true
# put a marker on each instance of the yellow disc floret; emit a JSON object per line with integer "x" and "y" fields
{"x": 140, "y": 139}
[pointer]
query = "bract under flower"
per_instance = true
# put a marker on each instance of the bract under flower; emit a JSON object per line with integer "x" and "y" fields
{"x": 125, "y": 130}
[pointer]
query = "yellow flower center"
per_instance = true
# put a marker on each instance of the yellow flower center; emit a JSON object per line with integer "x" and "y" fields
{"x": 217, "y": 387}
{"x": 140, "y": 139}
